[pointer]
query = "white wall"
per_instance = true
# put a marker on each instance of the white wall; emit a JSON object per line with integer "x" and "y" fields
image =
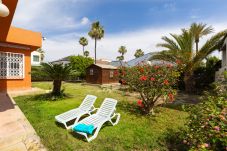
{"x": 35, "y": 63}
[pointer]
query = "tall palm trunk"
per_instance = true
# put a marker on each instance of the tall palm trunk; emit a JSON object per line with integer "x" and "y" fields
{"x": 83, "y": 50}
{"x": 189, "y": 81}
{"x": 197, "y": 46}
{"x": 95, "y": 49}
{"x": 57, "y": 87}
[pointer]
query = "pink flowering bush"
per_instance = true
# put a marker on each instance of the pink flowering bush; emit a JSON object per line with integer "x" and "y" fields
{"x": 207, "y": 126}
{"x": 151, "y": 82}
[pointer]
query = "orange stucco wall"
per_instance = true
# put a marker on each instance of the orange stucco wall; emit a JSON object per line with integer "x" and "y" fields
{"x": 20, "y": 37}
{"x": 15, "y": 84}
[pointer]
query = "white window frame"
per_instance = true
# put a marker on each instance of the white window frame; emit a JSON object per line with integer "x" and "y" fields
{"x": 8, "y": 66}
{"x": 111, "y": 74}
{"x": 91, "y": 72}
{"x": 37, "y": 57}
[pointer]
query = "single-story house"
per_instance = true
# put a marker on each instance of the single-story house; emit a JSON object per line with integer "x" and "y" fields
{"x": 64, "y": 61}
{"x": 134, "y": 62}
{"x": 16, "y": 45}
{"x": 101, "y": 74}
{"x": 219, "y": 74}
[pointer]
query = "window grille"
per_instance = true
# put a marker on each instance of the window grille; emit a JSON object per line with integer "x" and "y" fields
{"x": 11, "y": 65}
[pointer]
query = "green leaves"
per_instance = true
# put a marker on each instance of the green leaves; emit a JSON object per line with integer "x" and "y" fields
{"x": 83, "y": 41}
{"x": 97, "y": 31}
{"x": 151, "y": 82}
{"x": 80, "y": 63}
{"x": 181, "y": 47}
{"x": 57, "y": 71}
{"x": 208, "y": 122}
{"x": 139, "y": 53}
{"x": 122, "y": 50}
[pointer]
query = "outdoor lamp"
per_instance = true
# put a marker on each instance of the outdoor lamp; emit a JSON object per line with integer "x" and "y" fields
{"x": 4, "y": 11}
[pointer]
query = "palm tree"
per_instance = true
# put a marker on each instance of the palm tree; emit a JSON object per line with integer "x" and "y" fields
{"x": 86, "y": 53}
{"x": 42, "y": 54}
{"x": 139, "y": 53}
{"x": 58, "y": 73}
{"x": 122, "y": 50}
{"x": 198, "y": 31}
{"x": 97, "y": 33}
{"x": 179, "y": 49}
{"x": 120, "y": 58}
{"x": 84, "y": 42}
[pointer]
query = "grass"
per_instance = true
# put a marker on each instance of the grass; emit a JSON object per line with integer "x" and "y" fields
{"x": 134, "y": 131}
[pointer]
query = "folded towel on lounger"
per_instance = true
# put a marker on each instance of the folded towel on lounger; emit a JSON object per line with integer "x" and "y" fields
{"x": 84, "y": 128}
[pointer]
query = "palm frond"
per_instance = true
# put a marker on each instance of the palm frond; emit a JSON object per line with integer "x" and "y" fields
{"x": 212, "y": 44}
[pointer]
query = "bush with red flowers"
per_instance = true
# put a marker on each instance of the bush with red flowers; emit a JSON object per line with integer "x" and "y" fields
{"x": 151, "y": 82}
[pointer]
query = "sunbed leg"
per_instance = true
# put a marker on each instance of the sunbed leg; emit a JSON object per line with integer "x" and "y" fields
{"x": 117, "y": 120}
{"x": 95, "y": 134}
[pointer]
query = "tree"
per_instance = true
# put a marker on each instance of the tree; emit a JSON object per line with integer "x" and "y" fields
{"x": 198, "y": 31}
{"x": 86, "y": 53}
{"x": 58, "y": 73}
{"x": 151, "y": 82}
{"x": 96, "y": 33}
{"x": 42, "y": 54}
{"x": 179, "y": 50}
{"x": 122, "y": 50}
{"x": 80, "y": 64}
{"x": 139, "y": 53}
{"x": 84, "y": 42}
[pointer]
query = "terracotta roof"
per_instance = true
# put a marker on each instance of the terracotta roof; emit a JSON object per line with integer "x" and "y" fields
{"x": 105, "y": 66}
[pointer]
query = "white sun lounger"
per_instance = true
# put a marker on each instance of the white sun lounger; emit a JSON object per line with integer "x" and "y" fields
{"x": 86, "y": 107}
{"x": 104, "y": 114}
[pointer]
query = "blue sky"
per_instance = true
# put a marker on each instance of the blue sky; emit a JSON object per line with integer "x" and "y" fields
{"x": 133, "y": 23}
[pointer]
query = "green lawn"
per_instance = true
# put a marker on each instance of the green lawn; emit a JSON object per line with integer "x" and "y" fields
{"x": 134, "y": 132}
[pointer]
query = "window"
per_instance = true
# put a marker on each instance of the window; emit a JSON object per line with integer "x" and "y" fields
{"x": 35, "y": 58}
{"x": 91, "y": 72}
{"x": 11, "y": 65}
{"x": 111, "y": 74}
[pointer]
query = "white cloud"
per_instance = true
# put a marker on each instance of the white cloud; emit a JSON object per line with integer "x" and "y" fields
{"x": 57, "y": 15}
{"x": 85, "y": 21}
{"x": 49, "y": 14}
{"x": 146, "y": 39}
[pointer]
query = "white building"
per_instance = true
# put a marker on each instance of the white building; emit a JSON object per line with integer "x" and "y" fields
{"x": 35, "y": 58}
{"x": 219, "y": 74}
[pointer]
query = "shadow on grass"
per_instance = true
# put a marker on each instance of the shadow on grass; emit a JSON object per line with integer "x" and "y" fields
{"x": 174, "y": 140}
{"x": 129, "y": 108}
{"x": 134, "y": 109}
{"x": 82, "y": 138}
{"x": 49, "y": 97}
{"x": 179, "y": 107}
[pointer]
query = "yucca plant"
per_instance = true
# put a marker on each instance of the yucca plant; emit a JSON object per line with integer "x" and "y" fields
{"x": 58, "y": 73}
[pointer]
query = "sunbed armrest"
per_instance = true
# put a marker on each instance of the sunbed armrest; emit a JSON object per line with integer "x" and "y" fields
{"x": 93, "y": 109}
{"x": 117, "y": 120}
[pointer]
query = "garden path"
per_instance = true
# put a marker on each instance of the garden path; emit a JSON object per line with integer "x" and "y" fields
{"x": 16, "y": 133}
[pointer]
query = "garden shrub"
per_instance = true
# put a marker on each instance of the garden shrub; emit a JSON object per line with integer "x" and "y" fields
{"x": 80, "y": 64}
{"x": 207, "y": 126}
{"x": 151, "y": 82}
{"x": 38, "y": 75}
{"x": 205, "y": 75}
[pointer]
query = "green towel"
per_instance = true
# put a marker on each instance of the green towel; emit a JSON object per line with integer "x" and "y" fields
{"x": 84, "y": 128}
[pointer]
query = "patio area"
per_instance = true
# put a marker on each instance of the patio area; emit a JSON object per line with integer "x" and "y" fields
{"x": 16, "y": 133}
